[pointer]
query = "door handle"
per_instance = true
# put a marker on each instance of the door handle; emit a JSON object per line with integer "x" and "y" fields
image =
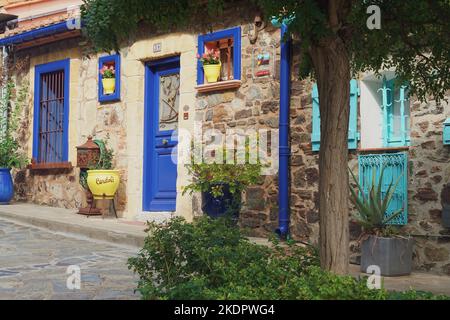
{"x": 165, "y": 142}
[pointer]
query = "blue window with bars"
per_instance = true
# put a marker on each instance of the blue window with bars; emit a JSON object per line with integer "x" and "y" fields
{"x": 353, "y": 134}
{"x": 396, "y": 118}
{"x": 51, "y": 112}
{"x": 395, "y": 166}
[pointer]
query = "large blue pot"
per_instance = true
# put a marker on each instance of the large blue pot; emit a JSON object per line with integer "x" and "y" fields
{"x": 226, "y": 205}
{"x": 6, "y": 186}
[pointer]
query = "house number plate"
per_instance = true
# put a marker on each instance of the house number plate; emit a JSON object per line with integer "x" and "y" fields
{"x": 157, "y": 47}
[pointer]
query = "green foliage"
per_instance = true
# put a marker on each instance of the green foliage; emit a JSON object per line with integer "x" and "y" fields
{"x": 372, "y": 206}
{"x": 109, "y": 22}
{"x": 106, "y": 156}
{"x": 211, "y": 177}
{"x": 11, "y": 105}
{"x": 413, "y": 38}
{"x": 210, "y": 259}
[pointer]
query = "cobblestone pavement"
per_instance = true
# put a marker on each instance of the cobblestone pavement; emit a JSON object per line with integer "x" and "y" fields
{"x": 34, "y": 262}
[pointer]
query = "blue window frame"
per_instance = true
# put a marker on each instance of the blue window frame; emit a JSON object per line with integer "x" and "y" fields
{"x": 395, "y": 106}
{"x": 51, "y": 112}
{"x": 353, "y": 134}
{"x": 395, "y": 166}
{"x": 109, "y": 60}
{"x": 233, "y": 33}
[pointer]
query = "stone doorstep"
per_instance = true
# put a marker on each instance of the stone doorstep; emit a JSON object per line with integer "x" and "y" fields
{"x": 116, "y": 231}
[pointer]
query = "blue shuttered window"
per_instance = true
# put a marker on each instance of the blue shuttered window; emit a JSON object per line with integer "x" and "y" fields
{"x": 353, "y": 134}
{"x": 395, "y": 165}
{"x": 51, "y": 112}
{"x": 395, "y": 106}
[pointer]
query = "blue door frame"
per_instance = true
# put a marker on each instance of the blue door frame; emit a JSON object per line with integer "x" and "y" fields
{"x": 160, "y": 172}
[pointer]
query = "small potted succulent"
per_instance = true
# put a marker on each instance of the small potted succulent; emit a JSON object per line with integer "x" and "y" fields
{"x": 382, "y": 244}
{"x": 102, "y": 180}
{"x": 211, "y": 64}
{"x": 108, "y": 74}
{"x": 10, "y": 154}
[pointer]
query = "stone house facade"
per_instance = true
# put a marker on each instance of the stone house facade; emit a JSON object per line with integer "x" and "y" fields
{"x": 247, "y": 102}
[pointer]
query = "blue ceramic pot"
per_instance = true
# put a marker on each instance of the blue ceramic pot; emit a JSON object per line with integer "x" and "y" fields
{"x": 6, "y": 186}
{"x": 226, "y": 205}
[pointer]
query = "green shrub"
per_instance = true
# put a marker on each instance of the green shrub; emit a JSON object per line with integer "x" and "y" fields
{"x": 210, "y": 259}
{"x": 12, "y": 103}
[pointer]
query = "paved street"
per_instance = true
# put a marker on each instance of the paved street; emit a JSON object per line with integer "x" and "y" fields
{"x": 34, "y": 262}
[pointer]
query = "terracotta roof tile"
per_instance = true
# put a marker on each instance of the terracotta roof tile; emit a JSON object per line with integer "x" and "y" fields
{"x": 37, "y": 23}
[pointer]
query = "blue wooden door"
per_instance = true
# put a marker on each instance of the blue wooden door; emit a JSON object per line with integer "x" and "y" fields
{"x": 160, "y": 143}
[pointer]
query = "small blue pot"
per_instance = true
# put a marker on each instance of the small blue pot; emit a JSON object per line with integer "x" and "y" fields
{"x": 6, "y": 186}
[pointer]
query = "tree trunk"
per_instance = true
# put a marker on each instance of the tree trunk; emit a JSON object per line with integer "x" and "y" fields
{"x": 332, "y": 69}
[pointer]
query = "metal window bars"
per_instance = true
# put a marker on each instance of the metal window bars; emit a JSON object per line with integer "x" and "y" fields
{"x": 51, "y": 117}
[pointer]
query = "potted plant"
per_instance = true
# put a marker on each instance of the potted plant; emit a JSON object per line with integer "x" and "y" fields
{"x": 108, "y": 74}
{"x": 10, "y": 155}
{"x": 211, "y": 64}
{"x": 221, "y": 185}
{"x": 382, "y": 244}
{"x": 102, "y": 180}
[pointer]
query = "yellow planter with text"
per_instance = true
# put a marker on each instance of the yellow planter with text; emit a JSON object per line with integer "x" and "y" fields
{"x": 103, "y": 183}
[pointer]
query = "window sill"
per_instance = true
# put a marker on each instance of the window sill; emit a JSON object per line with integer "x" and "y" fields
{"x": 386, "y": 149}
{"x": 53, "y": 166}
{"x": 217, "y": 86}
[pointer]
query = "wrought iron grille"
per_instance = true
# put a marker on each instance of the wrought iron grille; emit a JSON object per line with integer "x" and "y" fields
{"x": 395, "y": 166}
{"x": 51, "y": 117}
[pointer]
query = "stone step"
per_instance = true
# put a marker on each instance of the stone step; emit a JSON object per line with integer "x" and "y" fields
{"x": 117, "y": 231}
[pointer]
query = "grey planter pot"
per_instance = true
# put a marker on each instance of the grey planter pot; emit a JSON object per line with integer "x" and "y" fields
{"x": 446, "y": 216}
{"x": 392, "y": 255}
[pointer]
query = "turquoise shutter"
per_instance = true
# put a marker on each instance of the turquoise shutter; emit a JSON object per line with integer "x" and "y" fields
{"x": 315, "y": 136}
{"x": 386, "y": 103}
{"x": 388, "y": 100}
{"x": 395, "y": 164}
{"x": 353, "y": 134}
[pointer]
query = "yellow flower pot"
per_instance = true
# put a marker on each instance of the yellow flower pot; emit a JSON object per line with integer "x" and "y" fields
{"x": 109, "y": 85}
{"x": 103, "y": 183}
{"x": 212, "y": 72}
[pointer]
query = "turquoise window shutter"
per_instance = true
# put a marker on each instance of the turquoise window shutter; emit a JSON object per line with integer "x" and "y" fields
{"x": 396, "y": 165}
{"x": 315, "y": 136}
{"x": 353, "y": 134}
{"x": 395, "y": 114}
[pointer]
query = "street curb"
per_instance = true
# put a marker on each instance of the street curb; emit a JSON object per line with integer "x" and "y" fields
{"x": 113, "y": 237}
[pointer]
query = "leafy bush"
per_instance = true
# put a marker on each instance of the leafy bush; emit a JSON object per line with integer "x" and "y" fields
{"x": 106, "y": 156}
{"x": 11, "y": 104}
{"x": 210, "y": 259}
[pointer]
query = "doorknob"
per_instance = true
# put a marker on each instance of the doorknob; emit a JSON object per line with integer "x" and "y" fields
{"x": 165, "y": 142}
